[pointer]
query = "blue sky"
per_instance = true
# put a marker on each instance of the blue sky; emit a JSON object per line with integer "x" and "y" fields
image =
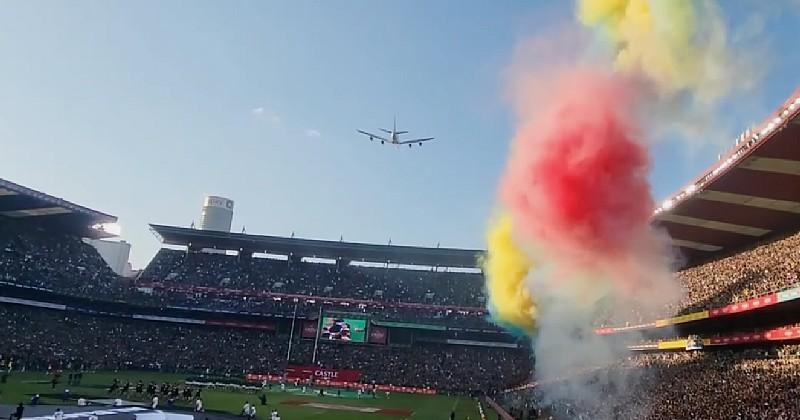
{"x": 141, "y": 108}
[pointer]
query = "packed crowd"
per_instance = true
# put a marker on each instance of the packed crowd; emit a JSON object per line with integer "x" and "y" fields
{"x": 763, "y": 269}
{"x": 767, "y": 267}
{"x": 227, "y": 282}
{"x": 222, "y": 301}
{"x": 48, "y": 339}
{"x": 727, "y": 384}
{"x": 172, "y": 267}
{"x": 31, "y": 256}
{"x": 41, "y": 339}
{"x": 437, "y": 366}
{"x": 62, "y": 263}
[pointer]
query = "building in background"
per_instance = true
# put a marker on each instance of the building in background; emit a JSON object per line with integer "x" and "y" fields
{"x": 217, "y": 214}
{"x": 115, "y": 253}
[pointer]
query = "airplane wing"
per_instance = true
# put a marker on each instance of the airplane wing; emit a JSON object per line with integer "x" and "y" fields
{"x": 373, "y": 135}
{"x": 416, "y": 140}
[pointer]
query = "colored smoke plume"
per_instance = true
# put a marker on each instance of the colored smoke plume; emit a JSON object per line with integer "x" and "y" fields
{"x": 682, "y": 53}
{"x": 578, "y": 197}
{"x": 577, "y": 191}
{"x": 680, "y": 45}
{"x": 506, "y": 267}
{"x": 577, "y": 179}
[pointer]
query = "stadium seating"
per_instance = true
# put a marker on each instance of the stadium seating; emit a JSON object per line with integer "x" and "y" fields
{"x": 436, "y": 366}
{"x": 757, "y": 384}
{"x": 226, "y": 282}
{"x": 43, "y": 339}
{"x": 31, "y": 256}
{"x": 387, "y": 285}
{"x": 40, "y": 339}
{"x": 65, "y": 264}
{"x": 765, "y": 268}
{"x": 761, "y": 269}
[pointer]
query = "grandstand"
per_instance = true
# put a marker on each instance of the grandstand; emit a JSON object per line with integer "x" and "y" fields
{"x": 252, "y": 308}
{"x": 341, "y": 315}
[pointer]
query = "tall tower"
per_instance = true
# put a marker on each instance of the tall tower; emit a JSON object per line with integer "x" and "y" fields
{"x": 217, "y": 214}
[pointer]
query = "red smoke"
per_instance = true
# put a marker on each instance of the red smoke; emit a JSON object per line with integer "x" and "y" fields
{"x": 576, "y": 182}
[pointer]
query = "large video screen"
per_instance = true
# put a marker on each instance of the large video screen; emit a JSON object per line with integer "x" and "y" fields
{"x": 335, "y": 328}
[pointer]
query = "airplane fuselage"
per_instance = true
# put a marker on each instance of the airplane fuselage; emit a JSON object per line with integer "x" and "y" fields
{"x": 393, "y": 136}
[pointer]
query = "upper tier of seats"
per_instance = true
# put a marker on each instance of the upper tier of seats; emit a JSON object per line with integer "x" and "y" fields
{"x": 172, "y": 267}
{"x": 63, "y": 263}
{"x": 764, "y": 268}
{"x": 758, "y": 383}
{"x": 34, "y": 257}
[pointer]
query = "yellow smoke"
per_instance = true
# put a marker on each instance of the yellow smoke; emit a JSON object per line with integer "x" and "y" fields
{"x": 505, "y": 268}
{"x": 678, "y": 44}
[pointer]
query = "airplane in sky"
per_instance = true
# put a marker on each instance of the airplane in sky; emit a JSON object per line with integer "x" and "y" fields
{"x": 394, "y": 136}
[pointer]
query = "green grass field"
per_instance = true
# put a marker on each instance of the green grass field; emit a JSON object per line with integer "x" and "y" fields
{"x": 292, "y": 404}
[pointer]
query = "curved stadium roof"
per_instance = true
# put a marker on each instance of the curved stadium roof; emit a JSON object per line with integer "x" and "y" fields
{"x": 350, "y": 251}
{"x": 750, "y": 194}
{"x": 25, "y": 204}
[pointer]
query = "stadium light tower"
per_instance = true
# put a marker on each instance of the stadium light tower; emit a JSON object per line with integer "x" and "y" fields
{"x": 217, "y": 214}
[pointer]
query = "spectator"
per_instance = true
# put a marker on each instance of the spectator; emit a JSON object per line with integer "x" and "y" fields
{"x": 19, "y": 411}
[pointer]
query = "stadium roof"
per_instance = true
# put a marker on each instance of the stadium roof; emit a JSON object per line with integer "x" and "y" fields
{"x": 351, "y": 251}
{"x": 751, "y": 193}
{"x": 25, "y": 204}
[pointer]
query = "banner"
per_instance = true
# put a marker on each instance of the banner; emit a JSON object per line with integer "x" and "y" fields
{"x": 747, "y": 305}
{"x": 612, "y": 330}
{"x": 169, "y": 319}
{"x": 640, "y": 347}
{"x": 791, "y": 333}
{"x": 238, "y": 324}
{"x": 738, "y": 339}
{"x": 309, "y": 329}
{"x": 410, "y": 325}
{"x": 481, "y": 343}
{"x": 672, "y": 344}
{"x": 378, "y": 335}
{"x": 789, "y": 294}
{"x": 694, "y": 316}
{"x": 317, "y": 373}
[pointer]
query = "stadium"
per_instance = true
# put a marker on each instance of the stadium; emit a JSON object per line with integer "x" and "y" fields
{"x": 317, "y": 326}
{"x": 355, "y": 329}
{"x": 586, "y": 298}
